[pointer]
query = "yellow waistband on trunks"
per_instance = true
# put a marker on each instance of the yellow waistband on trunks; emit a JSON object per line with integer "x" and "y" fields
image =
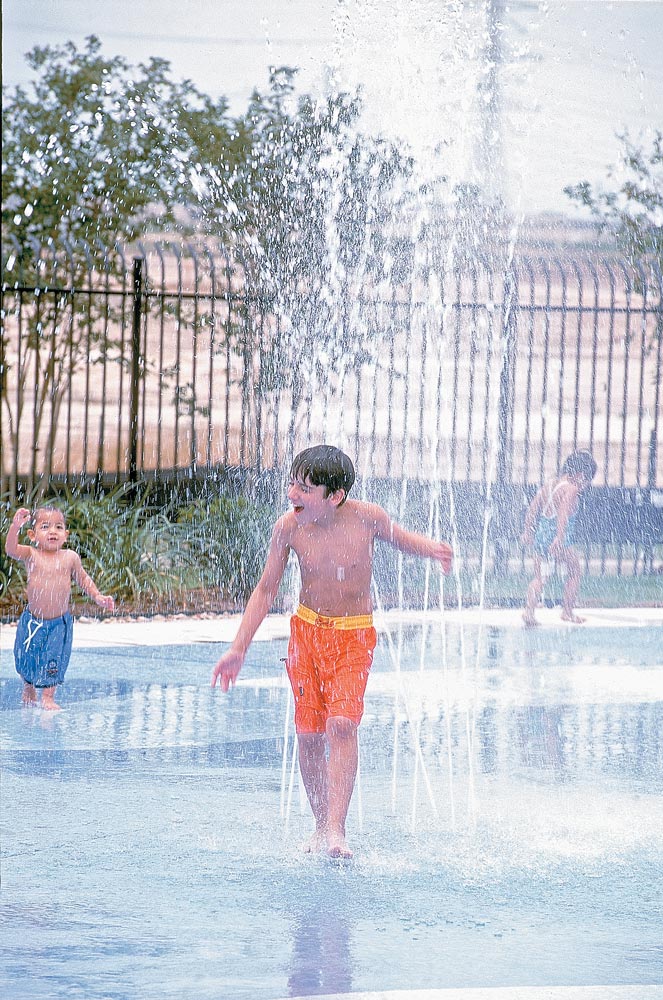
{"x": 323, "y": 621}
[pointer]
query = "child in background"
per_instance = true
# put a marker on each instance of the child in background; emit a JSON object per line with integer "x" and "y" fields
{"x": 549, "y": 528}
{"x": 43, "y": 640}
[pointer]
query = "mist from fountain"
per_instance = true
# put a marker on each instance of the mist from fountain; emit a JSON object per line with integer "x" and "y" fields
{"x": 453, "y": 141}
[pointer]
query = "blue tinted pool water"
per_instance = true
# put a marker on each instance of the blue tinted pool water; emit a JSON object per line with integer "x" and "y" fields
{"x": 508, "y": 824}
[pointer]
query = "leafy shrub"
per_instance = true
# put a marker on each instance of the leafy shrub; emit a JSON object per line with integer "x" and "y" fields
{"x": 228, "y": 539}
{"x": 144, "y": 553}
{"x": 12, "y": 576}
{"x": 129, "y": 545}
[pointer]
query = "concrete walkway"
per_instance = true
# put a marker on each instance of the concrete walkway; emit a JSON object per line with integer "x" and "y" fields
{"x": 187, "y": 629}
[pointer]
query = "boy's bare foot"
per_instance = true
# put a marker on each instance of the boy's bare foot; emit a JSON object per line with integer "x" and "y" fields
{"x": 48, "y": 701}
{"x": 29, "y": 696}
{"x": 529, "y": 619}
{"x": 569, "y": 616}
{"x": 337, "y": 846}
{"x": 316, "y": 843}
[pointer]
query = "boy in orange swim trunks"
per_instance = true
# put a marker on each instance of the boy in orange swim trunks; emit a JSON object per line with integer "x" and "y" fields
{"x": 332, "y": 636}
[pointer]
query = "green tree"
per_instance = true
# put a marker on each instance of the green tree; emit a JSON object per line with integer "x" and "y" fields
{"x": 98, "y": 149}
{"x": 632, "y": 209}
{"x": 633, "y": 212}
{"x": 309, "y": 201}
{"x": 94, "y": 152}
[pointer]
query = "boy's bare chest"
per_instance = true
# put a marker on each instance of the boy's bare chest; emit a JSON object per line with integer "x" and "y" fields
{"x": 57, "y": 569}
{"x": 332, "y": 555}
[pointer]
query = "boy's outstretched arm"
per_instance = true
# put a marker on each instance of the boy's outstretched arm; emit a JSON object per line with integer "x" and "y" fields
{"x": 12, "y": 547}
{"x": 87, "y": 584}
{"x": 258, "y": 605}
{"x": 412, "y": 543}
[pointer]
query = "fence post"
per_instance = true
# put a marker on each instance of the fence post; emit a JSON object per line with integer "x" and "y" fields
{"x": 135, "y": 367}
{"x": 651, "y": 464}
{"x": 502, "y": 530}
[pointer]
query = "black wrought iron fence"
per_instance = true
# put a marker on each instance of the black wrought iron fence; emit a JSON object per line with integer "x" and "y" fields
{"x": 169, "y": 363}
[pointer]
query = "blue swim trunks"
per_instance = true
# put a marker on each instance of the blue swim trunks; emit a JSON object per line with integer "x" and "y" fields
{"x": 42, "y": 648}
{"x": 546, "y": 532}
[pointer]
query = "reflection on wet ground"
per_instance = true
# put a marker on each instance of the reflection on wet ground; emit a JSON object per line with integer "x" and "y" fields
{"x": 507, "y": 824}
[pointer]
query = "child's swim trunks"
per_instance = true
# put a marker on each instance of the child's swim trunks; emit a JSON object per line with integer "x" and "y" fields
{"x": 42, "y": 648}
{"x": 546, "y": 532}
{"x": 328, "y": 664}
{"x": 546, "y": 528}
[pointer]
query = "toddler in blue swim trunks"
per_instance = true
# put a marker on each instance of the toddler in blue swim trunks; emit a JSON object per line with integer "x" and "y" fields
{"x": 549, "y": 529}
{"x": 43, "y": 640}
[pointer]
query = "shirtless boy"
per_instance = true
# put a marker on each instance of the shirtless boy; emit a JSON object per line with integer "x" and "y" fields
{"x": 43, "y": 640}
{"x": 331, "y": 634}
{"x": 549, "y": 528}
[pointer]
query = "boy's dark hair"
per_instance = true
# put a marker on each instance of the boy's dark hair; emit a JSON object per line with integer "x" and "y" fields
{"x": 580, "y": 462}
{"x": 50, "y": 508}
{"x": 324, "y": 465}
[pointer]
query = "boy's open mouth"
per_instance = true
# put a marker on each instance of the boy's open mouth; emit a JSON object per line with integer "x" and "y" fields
{"x": 298, "y": 508}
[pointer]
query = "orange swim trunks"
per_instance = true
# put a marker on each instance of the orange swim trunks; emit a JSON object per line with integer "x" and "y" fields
{"x": 328, "y": 663}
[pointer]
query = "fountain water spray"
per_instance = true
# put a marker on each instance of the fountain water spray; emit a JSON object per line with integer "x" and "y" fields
{"x": 367, "y": 300}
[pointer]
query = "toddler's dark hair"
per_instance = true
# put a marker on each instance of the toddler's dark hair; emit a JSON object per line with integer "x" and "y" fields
{"x": 324, "y": 465}
{"x": 581, "y": 462}
{"x": 48, "y": 508}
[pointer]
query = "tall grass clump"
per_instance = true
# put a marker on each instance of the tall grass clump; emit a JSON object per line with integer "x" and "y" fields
{"x": 128, "y": 542}
{"x": 228, "y": 538}
{"x": 208, "y": 553}
{"x": 130, "y": 545}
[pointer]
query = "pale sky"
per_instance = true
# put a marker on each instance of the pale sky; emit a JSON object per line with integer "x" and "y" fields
{"x": 574, "y": 73}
